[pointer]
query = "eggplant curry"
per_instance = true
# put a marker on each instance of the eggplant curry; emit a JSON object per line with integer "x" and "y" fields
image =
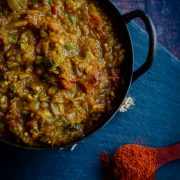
{"x": 60, "y": 69}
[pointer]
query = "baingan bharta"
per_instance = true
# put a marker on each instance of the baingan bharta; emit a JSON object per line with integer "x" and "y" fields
{"x": 60, "y": 69}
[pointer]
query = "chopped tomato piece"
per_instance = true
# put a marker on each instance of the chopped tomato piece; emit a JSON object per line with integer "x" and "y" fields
{"x": 54, "y": 9}
{"x": 114, "y": 74}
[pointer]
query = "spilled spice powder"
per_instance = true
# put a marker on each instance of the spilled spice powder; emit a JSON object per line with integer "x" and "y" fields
{"x": 130, "y": 162}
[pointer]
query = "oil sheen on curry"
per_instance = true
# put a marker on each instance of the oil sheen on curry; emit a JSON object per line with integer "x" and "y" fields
{"x": 60, "y": 69}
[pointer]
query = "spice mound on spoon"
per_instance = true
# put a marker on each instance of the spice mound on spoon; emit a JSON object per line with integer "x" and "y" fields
{"x": 135, "y": 162}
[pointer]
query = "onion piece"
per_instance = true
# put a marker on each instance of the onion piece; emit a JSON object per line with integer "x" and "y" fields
{"x": 16, "y": 5}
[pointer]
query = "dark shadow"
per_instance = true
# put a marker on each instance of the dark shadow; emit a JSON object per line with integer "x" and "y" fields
{"x": 17, "y": 164}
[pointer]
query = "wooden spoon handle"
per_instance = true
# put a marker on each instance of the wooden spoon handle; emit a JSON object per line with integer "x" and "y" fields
{"x": 168, "y": 154}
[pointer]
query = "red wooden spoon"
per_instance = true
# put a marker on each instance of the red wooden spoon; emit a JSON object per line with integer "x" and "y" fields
{"x": 133, "y": 161}
{"x": 167, "y": 154}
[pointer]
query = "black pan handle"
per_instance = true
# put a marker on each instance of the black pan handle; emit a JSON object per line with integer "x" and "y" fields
{"x": 152, "y": 40}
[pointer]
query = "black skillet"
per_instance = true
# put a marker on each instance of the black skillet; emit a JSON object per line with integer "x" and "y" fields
{"x": 120, "y": 24}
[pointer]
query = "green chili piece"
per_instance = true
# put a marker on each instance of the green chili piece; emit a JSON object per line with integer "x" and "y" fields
{"x": 76, "y": 126}
{"x": 73, "y": 20}
{"x": 50, "y": 1}
{"x": 70, "y": 46}
{"x": 58, "y": 61}
{"x": 51, "y": 118}
{"x": 3, "y": 99}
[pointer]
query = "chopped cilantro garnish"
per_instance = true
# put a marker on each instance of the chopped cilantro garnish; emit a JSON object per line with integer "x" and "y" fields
{"x": 26, "y": 115}
{"x": 13, "y": 37}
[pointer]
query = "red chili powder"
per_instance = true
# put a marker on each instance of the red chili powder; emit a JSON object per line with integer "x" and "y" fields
{"x": 131, "y": 162}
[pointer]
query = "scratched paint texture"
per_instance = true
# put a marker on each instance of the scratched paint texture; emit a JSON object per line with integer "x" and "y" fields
{"x": 166, "y": 17}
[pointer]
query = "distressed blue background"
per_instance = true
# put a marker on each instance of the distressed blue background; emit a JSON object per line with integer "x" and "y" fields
{"x": 153, "y": 121}
{"x": 165, "y": 15}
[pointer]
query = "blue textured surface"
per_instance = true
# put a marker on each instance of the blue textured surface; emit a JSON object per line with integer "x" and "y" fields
{"x": 165, "y": 15}
{"x": 154, "y": 121}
